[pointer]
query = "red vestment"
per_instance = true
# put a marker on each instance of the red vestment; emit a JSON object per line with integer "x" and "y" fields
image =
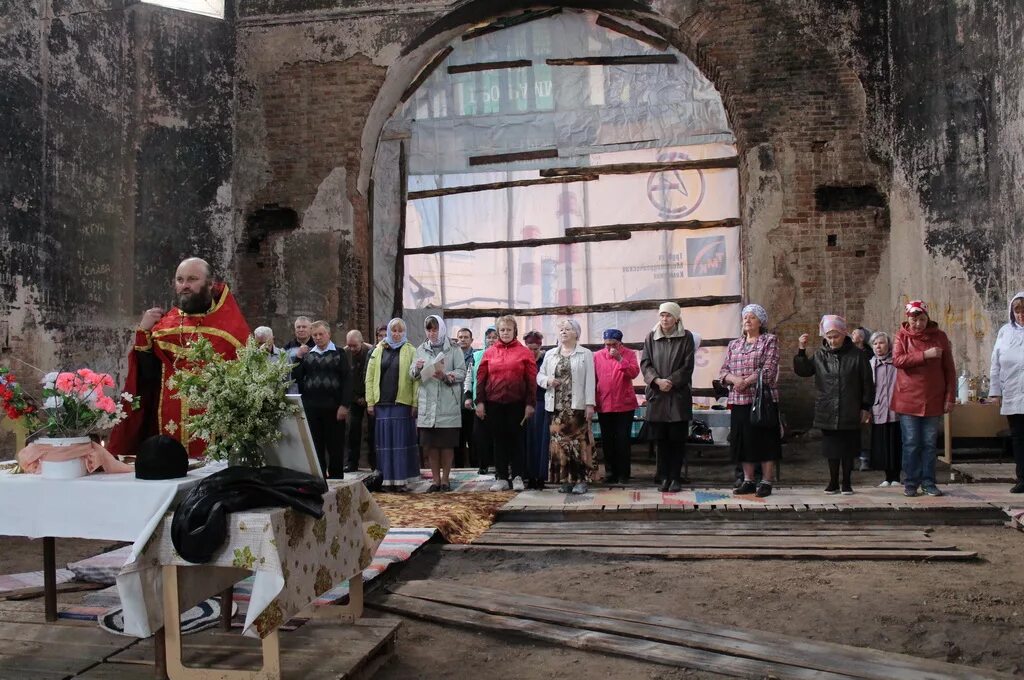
{"x": 154, "y": 359}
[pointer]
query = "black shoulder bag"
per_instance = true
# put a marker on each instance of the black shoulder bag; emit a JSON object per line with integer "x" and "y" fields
{"x": 764, "y": 412}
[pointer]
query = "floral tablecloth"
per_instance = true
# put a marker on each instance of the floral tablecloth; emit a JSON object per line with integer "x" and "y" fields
{"x": 294, "y": 557}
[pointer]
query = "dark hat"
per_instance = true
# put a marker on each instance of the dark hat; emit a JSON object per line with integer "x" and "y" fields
{"x": 161, "y": 457}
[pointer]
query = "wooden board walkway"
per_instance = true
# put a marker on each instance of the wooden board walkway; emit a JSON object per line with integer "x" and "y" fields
{"x": 735, "y": 652}
{"x": 960, "y": 504}
{"x": 985, "y": 473}
{"x": 715, "y": 541}
{"x": 31, "y": 649}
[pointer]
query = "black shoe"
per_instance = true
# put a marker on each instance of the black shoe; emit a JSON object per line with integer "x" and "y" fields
{"x": 433, "y": 488}
{"x": 676, "y": 486}
{"x": 745, "y": 489}
{"x": 847, "y": 490}
{"x": 610, "y": 479}
{"x": 445, "y": 488}
{"x": 482, "y": 471}
{"x": 738, "y": 483}
{"x": 665, "y": 485}
{"x": 832, "y": 489}
{"x": 1018, "y": 487}
{"x": 351, "y": 468}
{"x": 764, "y": 489}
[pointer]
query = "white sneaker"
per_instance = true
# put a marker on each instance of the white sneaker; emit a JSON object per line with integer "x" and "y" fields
{"x": 517, "y": 484}
{"x": 884, "y": 485}
{"x": 500, "y": 485}
{"x": 580, "y": 488}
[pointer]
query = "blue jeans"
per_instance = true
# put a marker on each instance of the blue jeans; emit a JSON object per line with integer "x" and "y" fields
{"x": 919, "y": 434}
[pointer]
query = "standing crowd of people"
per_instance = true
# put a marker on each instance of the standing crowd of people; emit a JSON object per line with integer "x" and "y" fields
{"x": 528, "y": 412}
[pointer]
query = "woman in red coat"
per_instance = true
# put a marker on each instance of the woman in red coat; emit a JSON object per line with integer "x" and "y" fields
{"x": 925, "y": 388}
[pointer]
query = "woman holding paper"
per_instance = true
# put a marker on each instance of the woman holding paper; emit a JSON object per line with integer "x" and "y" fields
{"x": 439, "y": 368}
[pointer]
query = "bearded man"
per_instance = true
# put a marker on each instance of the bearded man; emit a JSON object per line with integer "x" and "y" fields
{"x": 205, "y": 309}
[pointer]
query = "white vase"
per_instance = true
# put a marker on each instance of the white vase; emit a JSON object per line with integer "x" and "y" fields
{"x": 63, "y": 469}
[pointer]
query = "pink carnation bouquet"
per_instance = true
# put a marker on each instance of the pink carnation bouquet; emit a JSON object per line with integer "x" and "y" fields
{"x": 79, "y": 403}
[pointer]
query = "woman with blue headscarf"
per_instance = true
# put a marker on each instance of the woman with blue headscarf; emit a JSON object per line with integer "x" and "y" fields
{"x": 391, "y": 397}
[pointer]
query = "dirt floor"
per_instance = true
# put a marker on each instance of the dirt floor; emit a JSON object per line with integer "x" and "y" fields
{"x": 971, "y": 613}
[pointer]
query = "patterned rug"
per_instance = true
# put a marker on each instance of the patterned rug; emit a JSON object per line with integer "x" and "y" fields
{"x": 459, "y": 517}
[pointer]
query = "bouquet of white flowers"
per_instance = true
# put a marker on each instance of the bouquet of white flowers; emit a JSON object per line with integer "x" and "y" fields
{"x": 242, "y": 400}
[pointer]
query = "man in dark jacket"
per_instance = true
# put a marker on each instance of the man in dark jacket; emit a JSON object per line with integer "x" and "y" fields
{"x": 845, "y": 394}
{"x": 358, "y": 352}
{"x": 324, "y": 381}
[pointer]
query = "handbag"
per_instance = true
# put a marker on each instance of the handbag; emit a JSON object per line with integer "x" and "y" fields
{"x": 764, "y": 412}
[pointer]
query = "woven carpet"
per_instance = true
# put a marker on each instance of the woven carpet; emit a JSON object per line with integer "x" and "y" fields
{"x": 459, "y": 517}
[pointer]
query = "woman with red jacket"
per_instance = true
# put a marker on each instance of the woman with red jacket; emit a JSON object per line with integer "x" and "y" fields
{"x": 506, "y": 397}
{"x": 925, "y": 388}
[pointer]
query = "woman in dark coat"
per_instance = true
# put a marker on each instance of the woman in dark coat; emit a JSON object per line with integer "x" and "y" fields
{"x": 667, "y": 367}
{"x": 842, "y": 377}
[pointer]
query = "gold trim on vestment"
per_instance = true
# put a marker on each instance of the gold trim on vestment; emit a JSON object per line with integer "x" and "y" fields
{"x": 193, "y": 330}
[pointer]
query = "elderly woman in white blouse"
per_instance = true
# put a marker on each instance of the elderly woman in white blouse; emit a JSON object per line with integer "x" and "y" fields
{"x": 1007, "y": 380}
{"x": 568, "y": 376}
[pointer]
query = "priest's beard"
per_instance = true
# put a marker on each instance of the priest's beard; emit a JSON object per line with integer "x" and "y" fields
{"x": 196, "y": 303}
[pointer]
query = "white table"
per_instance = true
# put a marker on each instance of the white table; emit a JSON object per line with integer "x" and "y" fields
{"x": 116, "y": 507}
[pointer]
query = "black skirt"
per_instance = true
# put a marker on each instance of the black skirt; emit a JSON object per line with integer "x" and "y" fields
{"x": 752, "y": 444}
{"x": 840, "y": 444}
{"x": 677, "y": 432}
{"x": 887, "y": 447}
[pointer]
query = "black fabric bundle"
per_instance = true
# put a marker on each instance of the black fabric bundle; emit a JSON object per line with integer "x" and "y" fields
{"x": 200, "y": 524}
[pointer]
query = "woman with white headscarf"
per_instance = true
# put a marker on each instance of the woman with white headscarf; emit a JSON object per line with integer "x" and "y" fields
{"x": 391, "y": 398}
{"x": 1007, "y": 381}
{"x": 846, "y": 392}
{"x": 567, "y": 375}
{"x": 440, "y": 368}
{"x": 755, "y": 350}
{"x": 667, "y": 366}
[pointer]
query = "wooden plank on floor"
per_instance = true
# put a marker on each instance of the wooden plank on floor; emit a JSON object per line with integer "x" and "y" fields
{"x": 725, "y": 524}
{"x": 319, "y": 649}
{"x": 886, "y": 536}
{"x": 59, "y": 634}
{"x": 667, "y": 654}
{"x": 742, "y": 553}
{"x": 862, "y": 663}
{"x": 662, "y": 541}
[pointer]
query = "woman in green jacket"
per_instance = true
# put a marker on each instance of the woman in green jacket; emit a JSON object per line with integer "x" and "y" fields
{"x": 391, "y": 397}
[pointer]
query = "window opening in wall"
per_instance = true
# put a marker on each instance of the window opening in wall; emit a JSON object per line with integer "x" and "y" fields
{"x": 210, "y": 8}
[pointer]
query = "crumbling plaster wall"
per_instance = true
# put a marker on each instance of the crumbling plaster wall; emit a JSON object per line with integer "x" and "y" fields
{"x": 115, "y": 138}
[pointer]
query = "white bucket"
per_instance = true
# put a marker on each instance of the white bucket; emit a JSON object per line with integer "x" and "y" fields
{"x": 64, "y": 469}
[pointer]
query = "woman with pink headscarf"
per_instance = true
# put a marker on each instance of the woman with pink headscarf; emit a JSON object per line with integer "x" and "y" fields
{"x": 842, "y": 377}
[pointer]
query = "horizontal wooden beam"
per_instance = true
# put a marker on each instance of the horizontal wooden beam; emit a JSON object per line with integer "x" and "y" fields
{"x": 425, "y": 73}
{"x": 508, "y": 22}
{"x": 569, "y": 310}
{"x": 654, "y": 41}
{"x": 470, "y": 188}
{"x": 518, "y": 156}
{"x": 615, "y": 61}
{"x": 653, "y": 226}
{"x": 489, "y": 66}
{"x": 637, "y": 168}
{"x": 520, "y": 243}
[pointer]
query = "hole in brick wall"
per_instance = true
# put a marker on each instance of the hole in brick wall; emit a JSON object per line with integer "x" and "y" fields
{"x": 833, "y": 198}
{"x": 265, "y": 221}
{"x": 860, "y": 253}
{"x": 832, "y": 239}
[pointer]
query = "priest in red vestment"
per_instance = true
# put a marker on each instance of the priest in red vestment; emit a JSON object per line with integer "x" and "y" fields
{"x": 204, "y": 309}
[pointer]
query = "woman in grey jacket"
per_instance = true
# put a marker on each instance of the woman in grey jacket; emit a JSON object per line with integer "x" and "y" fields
{"x": 1007, "y": 380}
{"x": 440, "y": 367}
{"x": 842, "y": 376}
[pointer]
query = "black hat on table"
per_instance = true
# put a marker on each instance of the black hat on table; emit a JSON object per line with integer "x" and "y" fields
{"x": 161, "y": 457}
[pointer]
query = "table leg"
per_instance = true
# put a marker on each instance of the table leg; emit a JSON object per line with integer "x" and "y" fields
{"x": 159, "y": 655}
{"x": 354, "y": 609}
{"x": 176, "y": 670}
{"x": 50, "y": 578}
{"x": 227, "y": 598}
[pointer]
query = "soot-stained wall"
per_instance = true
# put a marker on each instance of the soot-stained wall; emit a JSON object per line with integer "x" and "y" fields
{"x": 879, "y": 144}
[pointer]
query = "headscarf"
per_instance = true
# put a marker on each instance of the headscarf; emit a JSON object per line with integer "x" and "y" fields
{"x": 758, "y": 311}
{"x": 575, "y": 326}
{"x": 613, "y": 334}
{"x": 672, "y": 308}
{"x": 916, "y": 307}
{"x": 442, "y": 330}
{"x": 405, "y": 334}
{"x": 831, "y": 322}
{"x": 1013, "y": 323}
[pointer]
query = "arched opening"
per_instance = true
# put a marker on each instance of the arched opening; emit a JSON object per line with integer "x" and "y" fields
{"x": 560, "y": 162}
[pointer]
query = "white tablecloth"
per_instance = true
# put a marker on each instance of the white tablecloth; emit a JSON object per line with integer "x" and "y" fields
{"x": 99, "y": 506}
